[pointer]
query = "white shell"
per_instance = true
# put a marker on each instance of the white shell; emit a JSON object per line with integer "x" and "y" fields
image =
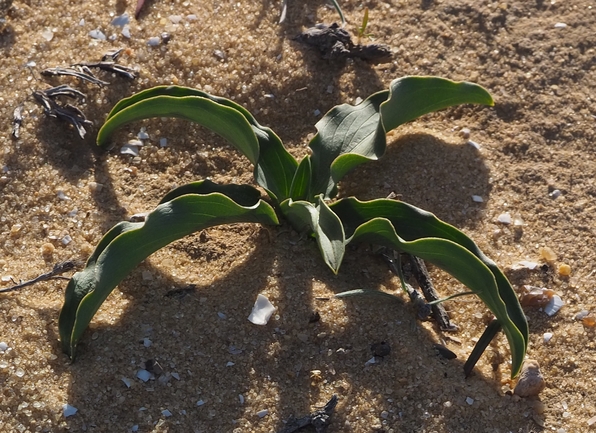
{"x": 262, "y": 311}
{"x": 554, "y": 305}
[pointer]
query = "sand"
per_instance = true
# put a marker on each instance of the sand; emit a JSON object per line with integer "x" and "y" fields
{"x": 59, "y": 194}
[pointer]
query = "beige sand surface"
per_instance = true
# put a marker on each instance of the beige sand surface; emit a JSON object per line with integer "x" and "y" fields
{"x": 538, "y": 138}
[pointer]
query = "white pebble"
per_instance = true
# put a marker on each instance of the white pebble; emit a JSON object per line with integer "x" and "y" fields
{"x": 126, "y": 32}
{"x": 241, "y": 398}
{"x": 556, "y": 193}
{"x": 144, "y": 375}
{"x": 127, "y": 149}
{"x": 560, "y": 25}
{"x": 554, "y": 305}
{"x": 66, "y": 240}
{"x": 470, "y": 400}
{"x": 579, "y": 316}
{"x": 166, "y": 413}
{"x": 191, "y": 17}
{"x": 154, "y": 41}
{"x": 261, "y": 311}
{"x": 200, "y": 403}
{"x": 147, "y": 342}
{"x": 371, "y": 361}
{"x": 505, "y": 218}
{"x": 47, "y": 34}
{"x": 262, "y": 413}
{"x": 474, "y": 144}
{"x": 126, "y": 381}
{"x": 175, "y": 19}
{"x": 3, "y": 346}
{"x": 97, "y": 34}
{"x": 547, "y": 337}
{"x": 477, "y": 199}
{"x": 121, "y": 20}
{"x": 230, "y": 364}
{"x": 163, "y": 142}
{"x": 68, "y": 410}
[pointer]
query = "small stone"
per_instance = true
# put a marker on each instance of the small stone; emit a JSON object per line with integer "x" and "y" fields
{"x": 547, "y": 254}
{"x": 465, "y": 133}
{"x": 531, "y": 382}
{"x": 144, "y": 375}
{"x": 477, "y": 199}
{"x": 47, "y": 250}
{"x": 97, "y": 34}
{"x": 166, "y": 413}
{"x": 380, "y": 349}
{"x": 68, "y": 410}
{"x": 505, "y": 218}
{"x": 200, "y": 403}
{"x": 262, "y": 413}
{"x": 554, "y": 305}
{"x": 470, "y": 400}
{"x": 564, "y": 270}
{"x": 560, "y": 25}
{"x": 547, "y": 337}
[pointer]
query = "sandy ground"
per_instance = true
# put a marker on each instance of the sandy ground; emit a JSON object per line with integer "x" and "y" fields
{"x": 58, "y": 195}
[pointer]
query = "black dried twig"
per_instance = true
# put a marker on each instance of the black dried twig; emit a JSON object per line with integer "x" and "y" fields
{"x": 319, "y": 419}
{"x": 58, "y": 269}
{"x": 110, "y": 65}
{"x": 81, "y": 72}
{"x": 69, "y": 113}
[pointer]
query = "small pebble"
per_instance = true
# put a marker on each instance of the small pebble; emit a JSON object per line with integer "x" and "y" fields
{"x": 470, "y": 400}
{"x": 547, "y": 337}
{"x": 554, "y": 305}
{"x": 166, "y": 413}
{"x": 126, "y": 381}
{"x": 555, "y": 193}
{"x": 560, "y": 25}
{"x": 68, "y": 410}
{"x": 154, "y": 41}
{"x": 505, "y": 218}
{"x": 3, "y": 346}
{"x": 531, "y": 382}
{"x": 477, "y": 199}
{"x": 200, "y": 403}
{"x": 144, "y": 375}
{"x": 464, "y": 132}
{"x": 564, "y": 270}
{"x": 97, "y": 34}
{"x": 474, "y": 144}
{"x": 547, "y": 254}
{"x": 380, "y": 349}
{"x": 262, "y": 413}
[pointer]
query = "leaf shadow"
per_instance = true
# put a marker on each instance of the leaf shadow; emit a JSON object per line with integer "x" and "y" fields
{"x": 427, "y": 171}
{"x": 286, "y": 367}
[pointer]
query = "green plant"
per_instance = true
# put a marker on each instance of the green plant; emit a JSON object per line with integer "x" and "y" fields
{"x": 301, "y": 192}
{"x": 362, "y": 29}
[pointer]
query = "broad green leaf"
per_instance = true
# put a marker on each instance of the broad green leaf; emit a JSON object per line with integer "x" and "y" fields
{"x": 320, "y": 222}
{"x": 274, "y": 166}
{"x": 412, "y": 97}
{"x": 356, "y": 132}
{"x": 352, "y": 135}
{"x": 409, "y": 229}
{"x": 128, "y": 244}
{"x": 225, "y": 121}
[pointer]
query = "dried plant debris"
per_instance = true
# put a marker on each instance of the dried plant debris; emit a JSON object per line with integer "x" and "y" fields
{"x": 319, "y": 419}
{"x": 83, "y": 71}
{"x": 17, "y": 121}
{"x": 335, "y": 43}
{"x": 56, "y": 271}
{"x": 80, "y": 72}
{"x": 67, "y": 112}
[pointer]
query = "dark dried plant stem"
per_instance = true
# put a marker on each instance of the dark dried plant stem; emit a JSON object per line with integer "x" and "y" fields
{"x": 58, "y": 269}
